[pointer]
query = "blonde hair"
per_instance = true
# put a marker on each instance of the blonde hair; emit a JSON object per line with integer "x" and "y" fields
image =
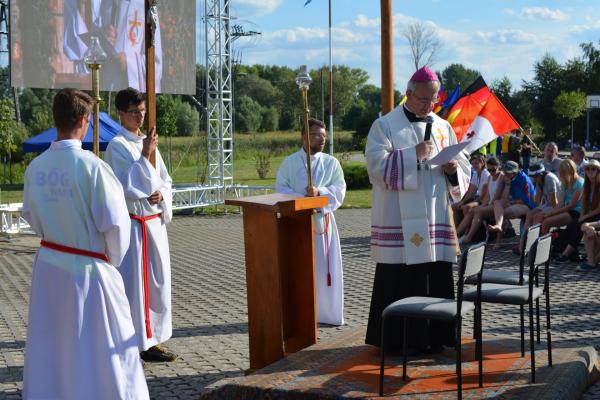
{"x": 567, "y": 171}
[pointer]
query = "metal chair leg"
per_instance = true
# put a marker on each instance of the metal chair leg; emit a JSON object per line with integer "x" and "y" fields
{"x": 480, "y": 339}
{"x": 382, "y": 350}
{"x": 531, "y": 340}
{"x": 522, "y": 331}
{"x": 404, "y": 347}
{"x": 537, "y": 313}
{"x": 459, "y": 356}
{"x": 548, "y": 328}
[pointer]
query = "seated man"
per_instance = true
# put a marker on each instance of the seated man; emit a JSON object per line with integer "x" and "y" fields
{"x": 547, "y": 186}
{"x": 516, "y": 200}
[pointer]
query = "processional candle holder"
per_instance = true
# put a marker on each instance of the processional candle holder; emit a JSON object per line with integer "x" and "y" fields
{"x": 94, "y": 58}
{"x": 303, "y": 81}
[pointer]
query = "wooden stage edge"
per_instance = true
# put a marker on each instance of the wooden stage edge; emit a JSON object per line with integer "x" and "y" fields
{"x": 345, "y": 368}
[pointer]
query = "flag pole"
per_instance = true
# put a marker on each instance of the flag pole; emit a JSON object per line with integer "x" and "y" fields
{"x": 387, "y": 58}
{"x": 151, "y": 20}
{"x": 330, "y": 89}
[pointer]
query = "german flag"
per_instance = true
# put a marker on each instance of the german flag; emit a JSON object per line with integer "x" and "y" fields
{"x": 468, "y": 106}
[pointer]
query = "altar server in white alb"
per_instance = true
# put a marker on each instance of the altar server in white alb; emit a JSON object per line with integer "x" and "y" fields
{"x": 146, "y": 268}
{"x": 413, "y": 240}
{"x": 81, "y": 341}
{"x": 328, "y": 180}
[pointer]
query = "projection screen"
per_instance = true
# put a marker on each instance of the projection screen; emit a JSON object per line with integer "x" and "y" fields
{"x": 49, "y": 39}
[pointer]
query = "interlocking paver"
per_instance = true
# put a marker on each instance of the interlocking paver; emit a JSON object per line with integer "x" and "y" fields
{"x": 209, "y": 303}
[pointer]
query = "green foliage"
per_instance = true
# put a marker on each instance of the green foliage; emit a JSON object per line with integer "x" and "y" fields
{"x": 262, "y": 162}
{"x": 570, "y": 105}
{"x": 455, "y": 74}
{"x": 8, "y": 126}
{"x": 187, "y": 118}
{"x": 356, "y": 176}
{"x": 248, "y": 114}
{"x": 270, "y": 119}
{"x": 166, "y": 115}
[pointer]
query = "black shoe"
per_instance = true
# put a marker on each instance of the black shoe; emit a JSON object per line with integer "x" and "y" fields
{"x": 562, "y": 259}
{"x": 158, "y": 354}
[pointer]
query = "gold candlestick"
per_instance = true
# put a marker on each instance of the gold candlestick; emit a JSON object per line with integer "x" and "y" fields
{"x": 303, "y": 81}
{"x": 94, "y": 58}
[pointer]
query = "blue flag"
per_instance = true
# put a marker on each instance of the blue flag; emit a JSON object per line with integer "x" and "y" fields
{"x": 307, "y": 1}
{"x": 449, "y": 102}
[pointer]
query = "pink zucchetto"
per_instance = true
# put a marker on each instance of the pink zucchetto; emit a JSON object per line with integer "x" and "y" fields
{"x": 424, "y": 74}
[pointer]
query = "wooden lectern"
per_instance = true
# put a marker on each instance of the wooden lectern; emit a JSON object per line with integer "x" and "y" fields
{"x": 280, "y": 274}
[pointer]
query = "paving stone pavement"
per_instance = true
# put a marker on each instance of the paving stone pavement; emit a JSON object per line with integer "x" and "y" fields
{"x": 209, "y": 303}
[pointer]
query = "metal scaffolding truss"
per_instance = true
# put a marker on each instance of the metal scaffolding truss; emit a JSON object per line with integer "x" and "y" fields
{"x": 219, "y": 95}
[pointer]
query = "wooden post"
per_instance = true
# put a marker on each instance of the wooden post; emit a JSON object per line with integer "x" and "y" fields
{"x": 387, "y": 58}
{"x": 150, "y": 73}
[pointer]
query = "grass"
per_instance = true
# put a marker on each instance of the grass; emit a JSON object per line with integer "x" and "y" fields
{"x": 186, "y": 153}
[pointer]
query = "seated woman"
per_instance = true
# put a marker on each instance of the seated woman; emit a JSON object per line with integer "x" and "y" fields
{"x": 569, "y": 201}
{"x": 590, "y": 210}
{"x": 472, "y": 198}
{"x": 591, "y": 240}
{"x": 547, "y": 186}
{"x": 491, "y": 191}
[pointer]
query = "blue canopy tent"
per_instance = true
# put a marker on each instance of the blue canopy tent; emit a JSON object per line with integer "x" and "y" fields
{"x": 108, "y": 129}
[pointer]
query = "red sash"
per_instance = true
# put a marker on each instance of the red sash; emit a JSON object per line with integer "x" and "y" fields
{"x": 73, "y": 250}
{"x": 142, "y": 221}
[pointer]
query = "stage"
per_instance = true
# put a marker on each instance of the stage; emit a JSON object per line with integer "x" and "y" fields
{"x": 345, "y": 368}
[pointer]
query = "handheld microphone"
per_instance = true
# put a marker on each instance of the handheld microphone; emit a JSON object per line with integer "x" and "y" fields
{"x": 428, "y": 121}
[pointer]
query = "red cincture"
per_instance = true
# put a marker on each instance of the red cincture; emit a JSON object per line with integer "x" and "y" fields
{"x": 73, "y": 250}
{"x": 142, "y": 221}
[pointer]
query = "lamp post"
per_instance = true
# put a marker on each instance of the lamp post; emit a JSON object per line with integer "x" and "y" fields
{"x": 303, "y": 81}
{"x": 94, "y": 57}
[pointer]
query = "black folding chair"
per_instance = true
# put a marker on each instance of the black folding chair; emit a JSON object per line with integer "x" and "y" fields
{"x": 471, "y": 264}
{"x": 522, "y": 295}
{"x": 517, "y": 278}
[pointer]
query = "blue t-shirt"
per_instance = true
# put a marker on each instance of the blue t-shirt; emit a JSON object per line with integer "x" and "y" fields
{"x": 568, "y": 194}
{"x": 522, "y": 188}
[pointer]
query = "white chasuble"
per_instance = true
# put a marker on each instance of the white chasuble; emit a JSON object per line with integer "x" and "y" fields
{"x": 328, "y": 177}
{"x": 152, "y": 317}
{"x": 411, "y": 222}
{"x": 81, "y": 341}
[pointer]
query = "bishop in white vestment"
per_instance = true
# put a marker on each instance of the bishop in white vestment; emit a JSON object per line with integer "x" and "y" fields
{"x": 146, "y": 268}
{"x": 328, "y": 179}
{"x": 412, "y": 235}
{"x": 81, "y": 342}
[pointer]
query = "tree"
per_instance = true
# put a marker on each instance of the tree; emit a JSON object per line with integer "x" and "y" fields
{"x": 570, "y": 105}
{"x": 542, "y": 90}
{"x": 455, "y": 74}
{"x": 248, "y": 114}
{"x": 423, "y": 42}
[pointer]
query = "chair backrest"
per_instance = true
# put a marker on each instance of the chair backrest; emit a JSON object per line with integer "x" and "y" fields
{"x": 528, "y": 238}
{"x": 539, "y": 254}
{"x": 473, "y": 260}
{"x": 471, "y": 263}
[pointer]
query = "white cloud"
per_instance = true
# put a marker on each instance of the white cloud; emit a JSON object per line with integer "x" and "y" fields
{"x": 508, "y": 36}
{"x": 362, "y": 21}
{"x": 543, "y": 13}
{"x": 591, "y": 26}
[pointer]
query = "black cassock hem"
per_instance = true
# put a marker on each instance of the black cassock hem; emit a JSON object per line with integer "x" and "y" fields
{"x": 396, "y": 281}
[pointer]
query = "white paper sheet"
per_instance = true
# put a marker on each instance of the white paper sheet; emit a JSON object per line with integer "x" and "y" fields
{"x": 447, "y": 154}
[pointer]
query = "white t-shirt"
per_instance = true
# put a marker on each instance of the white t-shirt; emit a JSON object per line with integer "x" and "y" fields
{"x": 479, "y": 180}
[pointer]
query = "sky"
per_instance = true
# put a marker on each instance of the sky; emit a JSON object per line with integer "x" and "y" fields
{"x": 496, "y": 37}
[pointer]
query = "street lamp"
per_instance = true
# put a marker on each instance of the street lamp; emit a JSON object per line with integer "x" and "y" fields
{"x": 303, "y": 81}
{"x": 94, "y": 57}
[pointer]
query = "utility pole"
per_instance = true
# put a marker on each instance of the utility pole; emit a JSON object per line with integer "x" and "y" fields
{"x": 387, "y": 58}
